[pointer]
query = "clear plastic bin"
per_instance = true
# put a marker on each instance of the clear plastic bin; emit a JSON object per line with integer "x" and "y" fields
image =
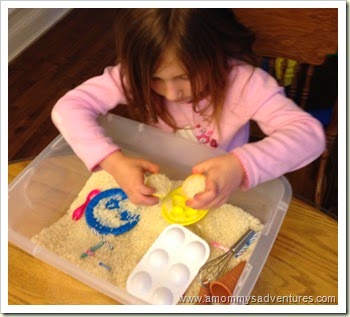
{"x": 43, "y": 192}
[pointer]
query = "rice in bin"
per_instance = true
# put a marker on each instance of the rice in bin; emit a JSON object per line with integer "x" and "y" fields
{"x": 69, "y": 239}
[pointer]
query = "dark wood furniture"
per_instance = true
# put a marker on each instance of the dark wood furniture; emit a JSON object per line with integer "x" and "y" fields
{"x": 308, "y": 37}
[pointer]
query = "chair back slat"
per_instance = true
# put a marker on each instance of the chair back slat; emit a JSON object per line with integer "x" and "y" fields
{"x": 271, "y": 63}
{"x": 294, "y": 85}
{"x": 283, "y": 71}
{"x": 306, "y": 88}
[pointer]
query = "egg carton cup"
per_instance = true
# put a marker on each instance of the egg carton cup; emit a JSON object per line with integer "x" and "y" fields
{"x": 169, "y": 266}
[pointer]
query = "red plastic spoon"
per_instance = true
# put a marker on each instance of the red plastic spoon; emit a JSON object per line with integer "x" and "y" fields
{"x": 78, "y": 213}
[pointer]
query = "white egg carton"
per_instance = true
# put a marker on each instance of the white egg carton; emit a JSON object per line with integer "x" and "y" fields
{"x": 169, "y": 266}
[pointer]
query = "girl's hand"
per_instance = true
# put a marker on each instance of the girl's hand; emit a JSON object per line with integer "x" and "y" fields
{"x": 224, "y": 174}
{"x": 129, "y": 174}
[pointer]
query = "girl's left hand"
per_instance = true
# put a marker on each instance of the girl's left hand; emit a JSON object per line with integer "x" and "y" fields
{"x": 224, "y": 174}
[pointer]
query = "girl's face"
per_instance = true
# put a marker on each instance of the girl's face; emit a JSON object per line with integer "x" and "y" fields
{"x": 171, "y": 81}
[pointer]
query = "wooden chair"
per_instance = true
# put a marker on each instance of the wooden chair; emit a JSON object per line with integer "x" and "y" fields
{"x": 306, "y": 36}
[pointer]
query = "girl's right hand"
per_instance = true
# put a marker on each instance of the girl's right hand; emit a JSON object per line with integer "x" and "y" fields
{"x": 129, "y": 174}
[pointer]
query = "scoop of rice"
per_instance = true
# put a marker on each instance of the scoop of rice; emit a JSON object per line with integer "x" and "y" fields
{"x": 160, "y": 182}
{"x": 193, "y": 185}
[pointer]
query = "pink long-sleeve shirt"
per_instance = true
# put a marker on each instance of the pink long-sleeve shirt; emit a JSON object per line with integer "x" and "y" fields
{"x": 294, "y": 138}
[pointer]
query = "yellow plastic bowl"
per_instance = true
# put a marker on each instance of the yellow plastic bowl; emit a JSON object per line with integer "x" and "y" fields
{"x": 174, "y": 209}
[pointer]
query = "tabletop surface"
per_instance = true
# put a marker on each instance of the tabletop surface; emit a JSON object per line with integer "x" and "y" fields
{"x": 302, "y": 267}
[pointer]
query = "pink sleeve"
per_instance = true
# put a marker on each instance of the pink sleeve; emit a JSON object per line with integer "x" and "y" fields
{"x": 75, "y": 116}
{"x": 294, "y": 138}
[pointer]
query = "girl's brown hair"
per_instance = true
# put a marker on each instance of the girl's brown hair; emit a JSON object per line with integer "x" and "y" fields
{"x": 203, "y": 40}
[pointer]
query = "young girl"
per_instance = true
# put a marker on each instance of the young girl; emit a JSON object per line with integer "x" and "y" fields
{"x": 190, "y": 72}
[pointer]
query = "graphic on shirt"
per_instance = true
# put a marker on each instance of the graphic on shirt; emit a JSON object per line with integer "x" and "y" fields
{"x": 199, "y": 134}
{"x": 204, "y": 136}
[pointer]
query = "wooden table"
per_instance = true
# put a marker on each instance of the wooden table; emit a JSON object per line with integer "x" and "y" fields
{"x": 303, "y": 262}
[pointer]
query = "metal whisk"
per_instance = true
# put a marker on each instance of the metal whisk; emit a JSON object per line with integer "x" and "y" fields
{"x": 214, "y": 269}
